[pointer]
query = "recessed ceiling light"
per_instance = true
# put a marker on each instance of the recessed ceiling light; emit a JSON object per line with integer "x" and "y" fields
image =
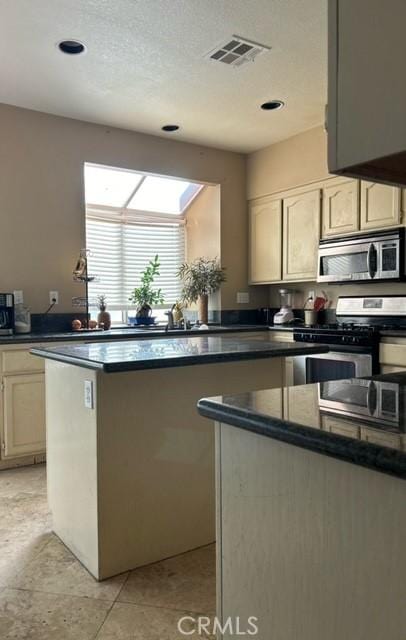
{"x": 272, "y": 105}
{"x": 170, "y": 127}
{"x": 71, "y": 47}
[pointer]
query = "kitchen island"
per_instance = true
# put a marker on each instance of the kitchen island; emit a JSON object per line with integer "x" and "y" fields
{"x": 130, "y": 461}
{"x": 311, "y": 509}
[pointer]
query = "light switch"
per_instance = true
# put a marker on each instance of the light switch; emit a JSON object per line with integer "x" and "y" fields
{"x": 89, "y": 403}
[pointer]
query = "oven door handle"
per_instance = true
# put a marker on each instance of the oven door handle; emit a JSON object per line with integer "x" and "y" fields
{"x": 372, "y": 398}
{"x": 371, "y": 260}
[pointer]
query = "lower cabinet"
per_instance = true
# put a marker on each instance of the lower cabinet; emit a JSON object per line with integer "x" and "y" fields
{"x": 23, "y": 415}
{"x": 22, "y": 406}
{"x": 392, "y": 354}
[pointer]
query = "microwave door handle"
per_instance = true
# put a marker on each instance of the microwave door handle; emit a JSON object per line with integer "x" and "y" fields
{"x": 371, "y": 268}
{"x": 372, "y": 400}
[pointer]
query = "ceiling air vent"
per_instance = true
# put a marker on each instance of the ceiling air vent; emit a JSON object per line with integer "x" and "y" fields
{"x": 237, "y": 51}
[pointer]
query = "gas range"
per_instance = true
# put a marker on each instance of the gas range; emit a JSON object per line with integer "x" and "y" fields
{"x": 346, "y": 333}
{"x": 354, "y": 340}
{"x": 359, "y": 321}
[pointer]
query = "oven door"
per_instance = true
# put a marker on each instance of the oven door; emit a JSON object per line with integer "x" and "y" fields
{"x": 343, "y": 262}
{"x": 334, "y": 365}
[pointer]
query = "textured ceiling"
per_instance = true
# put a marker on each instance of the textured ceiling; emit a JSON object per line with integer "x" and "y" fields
{"x": 145, "y": 65}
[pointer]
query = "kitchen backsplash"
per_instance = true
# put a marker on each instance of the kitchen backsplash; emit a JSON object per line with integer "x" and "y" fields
{"x": 301, "y": 290}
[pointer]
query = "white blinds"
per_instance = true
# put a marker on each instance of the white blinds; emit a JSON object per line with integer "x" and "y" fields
{"x": 120, "y": 251}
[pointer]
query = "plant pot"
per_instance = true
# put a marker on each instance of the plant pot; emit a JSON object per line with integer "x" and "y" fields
{"x": 104, "y": 320}
{"x": 203, "y": 308}
{"x": 144, "y": 312}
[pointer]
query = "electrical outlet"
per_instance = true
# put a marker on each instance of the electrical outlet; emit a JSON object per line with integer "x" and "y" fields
{"x": 243, "y": 297}
{"x": 18, "y": 297}
{"x": 54, "y": 297}
{"x": 88, "y": 389}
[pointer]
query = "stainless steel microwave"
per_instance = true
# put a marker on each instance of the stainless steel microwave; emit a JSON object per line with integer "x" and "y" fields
{"x": 364, "y": 257}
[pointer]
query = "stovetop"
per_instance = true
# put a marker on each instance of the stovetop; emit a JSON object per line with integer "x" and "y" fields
{"x": 344, "y": 333}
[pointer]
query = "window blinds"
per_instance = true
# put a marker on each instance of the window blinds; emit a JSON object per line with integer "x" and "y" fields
{"x": 120, "y": 251}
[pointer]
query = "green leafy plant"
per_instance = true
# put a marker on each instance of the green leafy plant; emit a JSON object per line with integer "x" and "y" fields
{"x": 102, "y": 302}
{"x": 201, "y": 277}
{"x": 144, "y": 296}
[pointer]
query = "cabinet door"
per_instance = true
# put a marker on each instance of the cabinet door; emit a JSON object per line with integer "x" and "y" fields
{"x": 340, "y": 207}
{"x": 302, "y": 405}
{"x": 301, "y": 234}
{"x": 265, "y": 240}
{"x": 24, "y": 414}
{"x": 380, "y": 205}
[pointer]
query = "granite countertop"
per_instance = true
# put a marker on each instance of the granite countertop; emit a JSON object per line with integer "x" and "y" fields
{"x": 397, "y": 333}
{"x": 122, "y": 333}
{"x": 378, "y": 444}
{"x": 172, "y": 352}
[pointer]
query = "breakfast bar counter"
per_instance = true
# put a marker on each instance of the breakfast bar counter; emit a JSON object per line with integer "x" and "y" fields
{"x": 130, "y": 462}
{"x": 311, "y": 508}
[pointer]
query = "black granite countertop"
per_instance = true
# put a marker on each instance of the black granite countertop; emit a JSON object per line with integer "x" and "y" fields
{"x": 122, "y": 334}
{"x": 396, "y": 333}
{"x": 316, "y": 416}
{"x": 172, "y": 352}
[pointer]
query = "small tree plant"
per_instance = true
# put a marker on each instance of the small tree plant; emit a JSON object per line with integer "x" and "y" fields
{"x": 145, "y": 296}
{"x": 200, "y": 278}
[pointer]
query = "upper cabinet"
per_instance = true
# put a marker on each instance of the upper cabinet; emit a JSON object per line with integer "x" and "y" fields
{"x": 265, "y": 233}
{"x": 366, "y": 97}
{"x": 301, "y": 233}
{"x": 380, "y": 206}
{"x": 340, "y": 207}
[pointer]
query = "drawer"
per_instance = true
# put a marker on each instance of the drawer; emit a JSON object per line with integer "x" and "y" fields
{"x": 389, "y": 368}
{"x": 341, "y": 427}
{"x": 393, "y": 353}
{"x": 281, "y": 336}
{"x": 381, "y": 438}
{"x": 20, "y": 361}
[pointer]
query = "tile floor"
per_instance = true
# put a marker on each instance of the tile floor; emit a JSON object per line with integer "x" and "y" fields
{"x": 46, "y": 594}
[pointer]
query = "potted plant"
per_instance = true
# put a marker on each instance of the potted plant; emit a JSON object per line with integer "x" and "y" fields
{"x": 103, "y": 318}
{"x": 144, "y": 296}
{"x": 200, "y": 278}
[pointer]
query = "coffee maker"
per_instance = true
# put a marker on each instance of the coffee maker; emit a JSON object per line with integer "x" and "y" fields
{"x": 6, "y": 314}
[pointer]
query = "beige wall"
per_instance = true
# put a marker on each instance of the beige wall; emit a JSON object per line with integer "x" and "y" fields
{"x": 203, "y": 231}
{"x": 42, "y": 217}
{"x": 203, "y": 225}
{"x": 290, "y": 163}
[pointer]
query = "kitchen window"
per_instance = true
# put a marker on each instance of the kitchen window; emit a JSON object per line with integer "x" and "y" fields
{"x": 131, "y": 217}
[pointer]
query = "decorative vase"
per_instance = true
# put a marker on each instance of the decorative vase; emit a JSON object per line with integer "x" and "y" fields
{"x": 203, "y": 308}
{"x": 104, "y": 320}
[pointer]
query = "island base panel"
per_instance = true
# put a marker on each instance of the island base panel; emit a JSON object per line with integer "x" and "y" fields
{"x": 311, "y": 546}
{"x": 131, "y": 481}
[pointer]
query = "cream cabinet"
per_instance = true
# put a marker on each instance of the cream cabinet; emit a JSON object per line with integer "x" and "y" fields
{"x": 301, "y": 234}
{"x": 24, "y": 414}
{"x": 22, "y": 406}
{"x": 340, "y": 207}
{"x": 380, "y": 205}
{"x": 265, "y": 233}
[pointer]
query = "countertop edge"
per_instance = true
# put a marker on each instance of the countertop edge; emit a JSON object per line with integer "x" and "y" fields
{"x": 133, "y": 334}
{"x": 382, "y": 459}
{"x": 125, "y": 366}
